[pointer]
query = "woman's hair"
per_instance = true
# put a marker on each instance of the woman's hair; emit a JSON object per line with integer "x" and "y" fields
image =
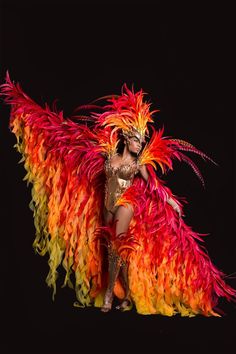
{"x": 121, "y": 144}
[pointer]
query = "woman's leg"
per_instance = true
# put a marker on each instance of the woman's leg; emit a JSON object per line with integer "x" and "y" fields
{"x": 122, "y": 216}
{"x": 108, "y": 216}
{"x": 125, "y": 283}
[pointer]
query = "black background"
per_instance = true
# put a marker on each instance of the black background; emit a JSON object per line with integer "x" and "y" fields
{"x": 78, "y": 51}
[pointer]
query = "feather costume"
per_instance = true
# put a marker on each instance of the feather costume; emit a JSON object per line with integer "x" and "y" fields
{"x": 169, "y": 271}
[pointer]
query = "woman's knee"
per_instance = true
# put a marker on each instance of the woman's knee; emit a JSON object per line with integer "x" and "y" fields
{"x": 124, "y": 212}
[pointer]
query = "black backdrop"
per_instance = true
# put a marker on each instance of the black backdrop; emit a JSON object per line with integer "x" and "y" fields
{"x": 76, "y": 52}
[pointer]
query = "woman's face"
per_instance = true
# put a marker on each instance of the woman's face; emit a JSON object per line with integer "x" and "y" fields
{"x": 134, "y": 145}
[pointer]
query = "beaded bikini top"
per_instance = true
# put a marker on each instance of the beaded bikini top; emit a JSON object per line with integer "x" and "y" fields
{"x": 118, "y": 179}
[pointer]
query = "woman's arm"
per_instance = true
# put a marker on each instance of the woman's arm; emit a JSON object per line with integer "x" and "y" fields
{"x": 174, "y": 205}
{"x": 143, "y": 171}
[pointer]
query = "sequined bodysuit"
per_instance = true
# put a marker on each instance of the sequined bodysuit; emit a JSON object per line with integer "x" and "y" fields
{"x": 118, "y": 179}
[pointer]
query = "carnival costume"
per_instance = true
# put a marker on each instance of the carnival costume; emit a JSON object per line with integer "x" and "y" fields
{"x": 167, "y": 270}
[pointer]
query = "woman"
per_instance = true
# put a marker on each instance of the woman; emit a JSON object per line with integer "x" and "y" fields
{"x": 84, "y": 190}
{"x": 120, "y": 171}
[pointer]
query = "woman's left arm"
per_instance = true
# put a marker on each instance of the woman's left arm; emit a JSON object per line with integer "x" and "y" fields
{"x": 175, "y": 206}
{"x": 143, "y": 171}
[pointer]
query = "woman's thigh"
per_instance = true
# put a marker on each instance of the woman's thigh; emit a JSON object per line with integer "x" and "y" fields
{"x": 108, "y": 217}
{"x": 123, "y": 217}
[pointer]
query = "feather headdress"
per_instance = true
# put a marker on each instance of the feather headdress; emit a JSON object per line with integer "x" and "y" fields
{"x": 127, "y": 113}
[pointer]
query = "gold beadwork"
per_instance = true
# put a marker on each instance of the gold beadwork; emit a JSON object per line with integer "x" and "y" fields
{"x": 118, "y": 179}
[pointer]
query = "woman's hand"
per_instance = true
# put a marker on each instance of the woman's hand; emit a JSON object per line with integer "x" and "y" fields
{"x": 175, "y": 206}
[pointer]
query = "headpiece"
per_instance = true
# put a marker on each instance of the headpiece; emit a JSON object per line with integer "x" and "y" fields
{"x": 128, "y": 113}
{"x": 133, "y": 133}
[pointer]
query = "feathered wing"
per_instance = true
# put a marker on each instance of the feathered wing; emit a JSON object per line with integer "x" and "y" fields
{"x": 169, "y": 269}
{"x": 64, "y": 164}
{"x": 162, "y": 151}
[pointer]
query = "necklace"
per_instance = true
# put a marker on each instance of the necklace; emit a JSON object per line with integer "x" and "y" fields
{"x": 122, "y": 162}
{"x": 125, "y": 159}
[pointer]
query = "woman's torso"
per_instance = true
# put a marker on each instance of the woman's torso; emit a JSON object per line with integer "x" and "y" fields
{"x": 118, "y": 179}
